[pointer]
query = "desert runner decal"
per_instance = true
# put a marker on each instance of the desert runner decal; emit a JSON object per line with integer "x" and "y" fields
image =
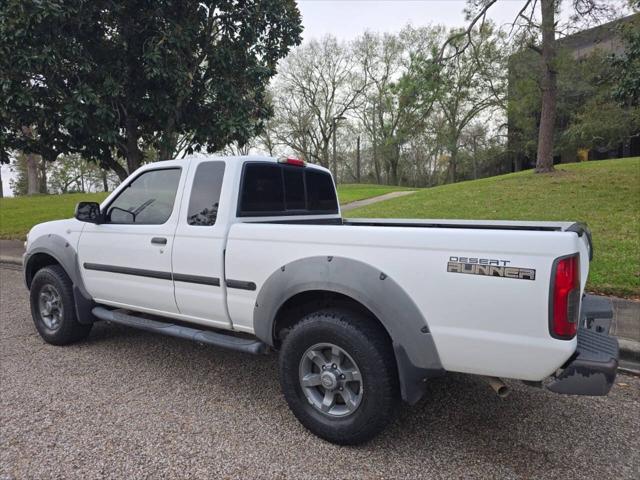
{"x": 489, "y": 267}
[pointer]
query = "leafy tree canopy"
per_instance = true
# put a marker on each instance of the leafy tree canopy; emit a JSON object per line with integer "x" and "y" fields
{"x": 110, "y": 79}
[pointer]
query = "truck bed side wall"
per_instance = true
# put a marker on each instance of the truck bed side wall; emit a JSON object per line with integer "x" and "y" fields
{"x": 480, "y": 324}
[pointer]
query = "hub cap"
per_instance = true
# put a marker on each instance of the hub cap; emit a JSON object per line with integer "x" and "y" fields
{"x": 331, "y": 380}
{"x": 50, "y": 305}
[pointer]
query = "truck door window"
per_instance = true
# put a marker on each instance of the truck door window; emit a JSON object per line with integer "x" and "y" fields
{"x": 205, "y": 194}
{"x": 147, "y": 200}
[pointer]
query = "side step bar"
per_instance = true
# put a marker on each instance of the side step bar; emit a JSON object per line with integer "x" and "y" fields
{"x": 202, "y": 336}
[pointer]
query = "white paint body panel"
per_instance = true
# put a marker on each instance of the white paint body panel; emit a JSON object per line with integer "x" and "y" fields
{"x": 480, "y": 324}
{"x": 199, "y": 250}
{"x": 130, "y": 246}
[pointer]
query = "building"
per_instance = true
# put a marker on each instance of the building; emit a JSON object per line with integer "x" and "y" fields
{"x": 524, "y": 67}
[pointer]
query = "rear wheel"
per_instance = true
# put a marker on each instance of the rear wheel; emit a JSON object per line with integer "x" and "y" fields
{"x": 53, "y": 308}
{"x": 338, "y": 375}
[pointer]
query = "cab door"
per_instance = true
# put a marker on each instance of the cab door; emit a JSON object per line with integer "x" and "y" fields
{"x": 198, "y": 247}
{"x": 126, "y": 261}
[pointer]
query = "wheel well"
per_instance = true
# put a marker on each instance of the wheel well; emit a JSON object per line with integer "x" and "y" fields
{"x": 296, "y": 307}
{"x": 37, "y": 262}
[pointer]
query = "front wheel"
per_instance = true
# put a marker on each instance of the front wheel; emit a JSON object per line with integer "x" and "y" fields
{"x": 53, "y": 308}
{"x": 338, "y": 375}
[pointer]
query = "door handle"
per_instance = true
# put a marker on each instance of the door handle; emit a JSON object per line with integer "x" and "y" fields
{"x": 159, "y": 241}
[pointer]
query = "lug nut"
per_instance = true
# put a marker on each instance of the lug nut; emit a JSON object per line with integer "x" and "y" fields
{"x": 324, "y": 367}
{"x": 342, "y": 375}
{"x": 334, "y": 366}
{"x": 340, "y": 388}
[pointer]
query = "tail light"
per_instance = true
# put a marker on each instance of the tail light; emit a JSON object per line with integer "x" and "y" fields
{"x": 565, "y": 297}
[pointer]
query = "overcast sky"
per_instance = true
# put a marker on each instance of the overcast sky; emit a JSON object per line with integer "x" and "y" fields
{"x": 346, "y": 19}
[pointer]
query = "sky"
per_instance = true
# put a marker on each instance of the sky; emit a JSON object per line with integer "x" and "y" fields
{"x": 346, "y": 19}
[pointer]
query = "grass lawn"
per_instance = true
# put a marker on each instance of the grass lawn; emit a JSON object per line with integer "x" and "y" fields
{"x": 605, "y": 194}
{"x": 348, "y": 193}
{"x": 18, "y": 215}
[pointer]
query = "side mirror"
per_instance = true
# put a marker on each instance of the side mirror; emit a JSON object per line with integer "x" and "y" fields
{"x": 89, "y": 212}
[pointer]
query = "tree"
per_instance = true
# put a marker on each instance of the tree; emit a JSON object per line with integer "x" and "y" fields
{"x": 583, "y": 10}
{"x": 627, "y": 68}
{"x": 18, "y": 183}
{"x": 473, "y": 83}
{"x": 318, "y": 85}
{"x": 400, "y": 92}
{"x": 116, "y": 78}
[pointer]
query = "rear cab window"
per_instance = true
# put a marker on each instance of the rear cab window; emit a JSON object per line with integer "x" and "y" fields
{"x": 273, "y": 189}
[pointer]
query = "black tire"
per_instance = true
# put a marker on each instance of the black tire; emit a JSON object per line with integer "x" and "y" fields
{"x": 68, "y": 329}
{"x": 370, "y": 348}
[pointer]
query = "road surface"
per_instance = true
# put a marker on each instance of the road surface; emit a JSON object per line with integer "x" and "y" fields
{"x": 130, "y": 404}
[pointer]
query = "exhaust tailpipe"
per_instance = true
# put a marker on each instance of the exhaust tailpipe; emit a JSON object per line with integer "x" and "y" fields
{"x": 498, "y": 386}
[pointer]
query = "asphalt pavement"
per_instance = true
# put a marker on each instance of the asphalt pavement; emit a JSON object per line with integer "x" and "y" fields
{"x": 130, "y": 404}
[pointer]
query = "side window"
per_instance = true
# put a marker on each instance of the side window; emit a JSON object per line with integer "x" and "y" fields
{"x": 262, "y": 189}
{"x": 205, "y": 194}
{"x": 321, "y": 195}
{"x": 148, "y": 200}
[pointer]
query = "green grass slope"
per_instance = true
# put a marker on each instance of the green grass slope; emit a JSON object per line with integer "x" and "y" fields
{"x": 605, "y": 194}
{"x": 18, "y": 215}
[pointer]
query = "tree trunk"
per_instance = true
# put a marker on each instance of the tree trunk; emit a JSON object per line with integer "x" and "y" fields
{"x": 544, "y": 160}
{"x": 325, "y": 153}
{"x": 168, "y": 147}
{"x": 376, "y": 164}
{"x": 134, "y": 155}
{"x": 334, "y": 163}
{"x": 453, "y": 164}
{"x": 395, "y": 160}
{"x": 43, "y": 176}
{"x": 1, "y": 185}
{"x": 32, "y": 174}
{"x": 475, "y": 160}
{"x": 358, "y": 160}
{"x": 105, "y": 184}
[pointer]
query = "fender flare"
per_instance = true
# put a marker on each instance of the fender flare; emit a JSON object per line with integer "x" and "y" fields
{"x": 416, "y": 354}
{"x": 66, "y": 256}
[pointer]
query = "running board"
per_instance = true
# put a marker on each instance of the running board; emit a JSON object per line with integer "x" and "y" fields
{"x": 202, "y": 336}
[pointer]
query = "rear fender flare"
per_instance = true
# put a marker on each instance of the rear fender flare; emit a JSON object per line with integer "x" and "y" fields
{"x": 415, "y": 350}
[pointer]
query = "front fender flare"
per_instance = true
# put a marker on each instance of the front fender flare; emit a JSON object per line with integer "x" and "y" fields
{"x": 63, "y": 252}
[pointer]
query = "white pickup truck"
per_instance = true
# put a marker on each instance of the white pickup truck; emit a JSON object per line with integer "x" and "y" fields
{"x": 252, "y": 254}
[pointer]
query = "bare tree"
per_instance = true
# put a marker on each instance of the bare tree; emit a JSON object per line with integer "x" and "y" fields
{"x": 317, "y": 84}
{"x": 469, "y": 87}
{"x": 398, "y": 100}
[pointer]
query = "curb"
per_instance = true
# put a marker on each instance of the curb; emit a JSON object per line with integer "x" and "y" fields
{"x": 12, "y": 261}
{"x": 629, "y": 356}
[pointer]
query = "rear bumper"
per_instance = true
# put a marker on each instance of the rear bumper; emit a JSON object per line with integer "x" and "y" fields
{"x": 592, "y": 368}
